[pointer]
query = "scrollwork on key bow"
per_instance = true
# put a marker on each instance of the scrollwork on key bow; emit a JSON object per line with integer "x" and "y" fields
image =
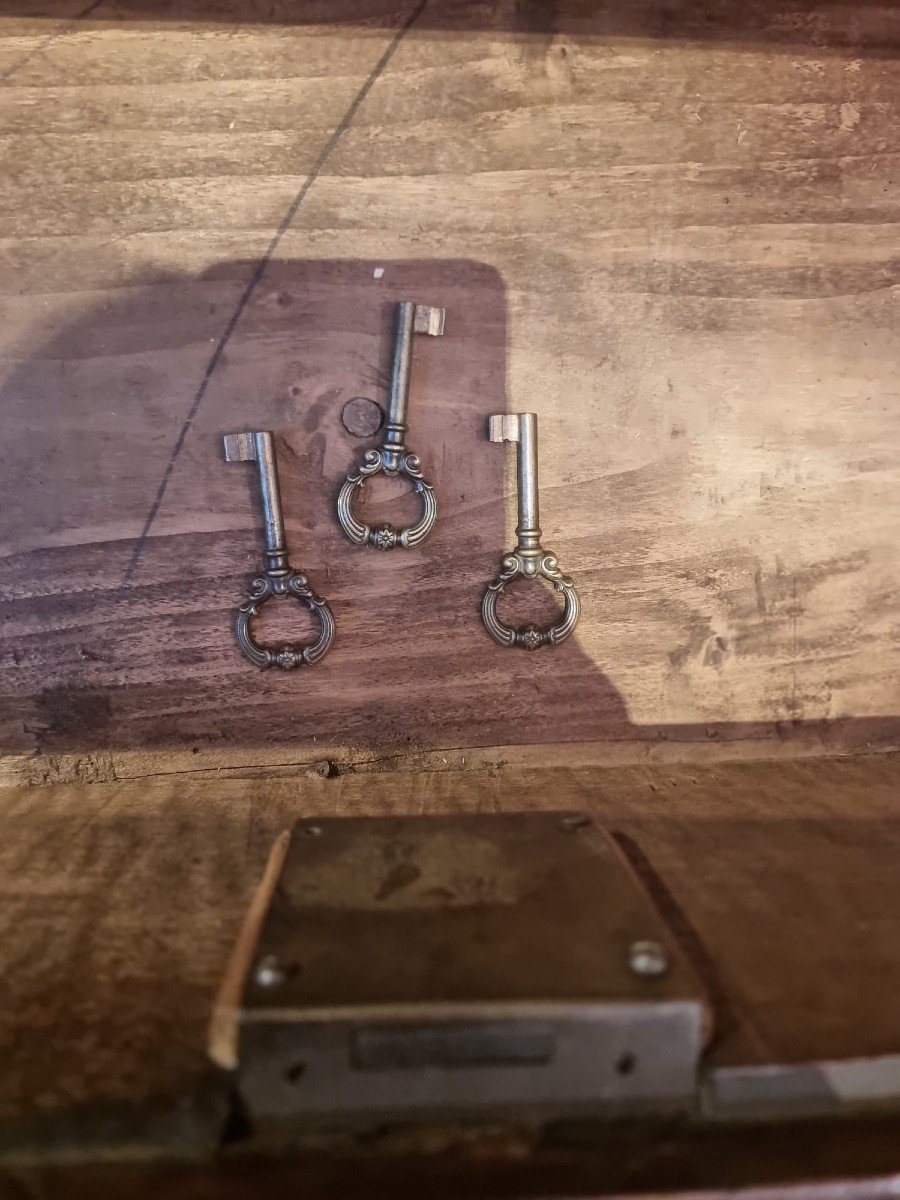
{"x": 384, "y": 536}
{"x": 281, "y": 586}
{"x": 543, "y": 566}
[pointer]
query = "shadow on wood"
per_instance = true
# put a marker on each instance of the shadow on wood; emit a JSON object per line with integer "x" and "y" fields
{"x": 131, "y": 540}
{"x": 868, "y": 28}
{"x": 110, "y": 646}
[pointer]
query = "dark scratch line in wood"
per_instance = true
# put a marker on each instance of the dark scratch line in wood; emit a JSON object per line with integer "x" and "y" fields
{"x": 46, "y": 42}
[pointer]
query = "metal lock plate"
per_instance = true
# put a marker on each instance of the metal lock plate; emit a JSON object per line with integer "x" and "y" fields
{"x": 433, "y": 965}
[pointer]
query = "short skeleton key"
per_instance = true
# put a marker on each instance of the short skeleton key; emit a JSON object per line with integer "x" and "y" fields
{"x": 529, "y": 558}
{"x": 279, "y": 580}
{"x": 392, "y": 457}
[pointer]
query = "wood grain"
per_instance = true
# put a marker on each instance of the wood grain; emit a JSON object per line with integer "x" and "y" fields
{"x": 672, "y": 233}
{"x": 121, "y": 904}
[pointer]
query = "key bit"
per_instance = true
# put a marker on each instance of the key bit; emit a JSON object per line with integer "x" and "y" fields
{"x": 429, "y": 320}
{"x": 279, "y": 580}
{"x": 529, "y": 558}
{"x": 240, "y": 447}
{"x": 504, "y": 427}
{"x": 393, "y": 457}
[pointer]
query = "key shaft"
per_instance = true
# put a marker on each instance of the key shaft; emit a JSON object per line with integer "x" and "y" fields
{"x": 259, "y": 447}
{"x": 411, "y": 319}
{"x": 394, "y": 437}
{"x": 521, "y": 428}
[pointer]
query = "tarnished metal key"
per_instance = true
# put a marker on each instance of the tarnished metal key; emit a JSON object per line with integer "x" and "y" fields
{"x": 279, "y": 580}
{"x": 529, "y": 558}
{"x": 393, "y": 457}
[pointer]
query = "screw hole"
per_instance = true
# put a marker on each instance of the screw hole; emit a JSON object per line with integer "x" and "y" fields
{"x": 295, "y": 1072}
{"x": 626, "y": 1063}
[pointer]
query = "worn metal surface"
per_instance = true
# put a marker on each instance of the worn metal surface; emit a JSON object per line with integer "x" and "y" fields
{"x": 773, "y": 1090}
{"x": 279, "y": 580}
{"x": 615, "y": 1059}
{"x": 426, "y": 964}
{"x": 393, "y": 458}
{"x": 529, "y": 560}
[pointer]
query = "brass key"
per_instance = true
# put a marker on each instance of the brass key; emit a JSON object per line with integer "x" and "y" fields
{"x": 280, "y": 579}
{"x": 529, "y": 559}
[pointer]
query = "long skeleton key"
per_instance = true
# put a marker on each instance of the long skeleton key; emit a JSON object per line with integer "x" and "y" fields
{"x": 529, "y": 558}
{"x": 393, "y": 457}
{"x": 279, "y": 580}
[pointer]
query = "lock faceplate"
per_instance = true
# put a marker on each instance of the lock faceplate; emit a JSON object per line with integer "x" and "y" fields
{"x": 431, "y": 965}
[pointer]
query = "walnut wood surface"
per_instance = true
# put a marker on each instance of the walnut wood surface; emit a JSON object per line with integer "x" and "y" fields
{"x": 669, "y": 229}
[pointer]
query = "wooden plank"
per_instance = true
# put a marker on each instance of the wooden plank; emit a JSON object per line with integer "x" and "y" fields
{"x": 703, "y": 744}
{"x": 822, "y": 1160}
{"x": 121, "y": 904}
{"x": 672, "y": 233}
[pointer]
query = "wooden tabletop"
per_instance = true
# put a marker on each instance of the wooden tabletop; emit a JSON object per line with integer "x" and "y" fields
{"x": 669, "y": 230}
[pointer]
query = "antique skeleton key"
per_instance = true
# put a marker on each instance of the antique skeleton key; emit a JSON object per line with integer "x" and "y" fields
{"x": 392, "y": 457}
{"x": 279, "y": 579}
{"x": 529, "y": 558}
